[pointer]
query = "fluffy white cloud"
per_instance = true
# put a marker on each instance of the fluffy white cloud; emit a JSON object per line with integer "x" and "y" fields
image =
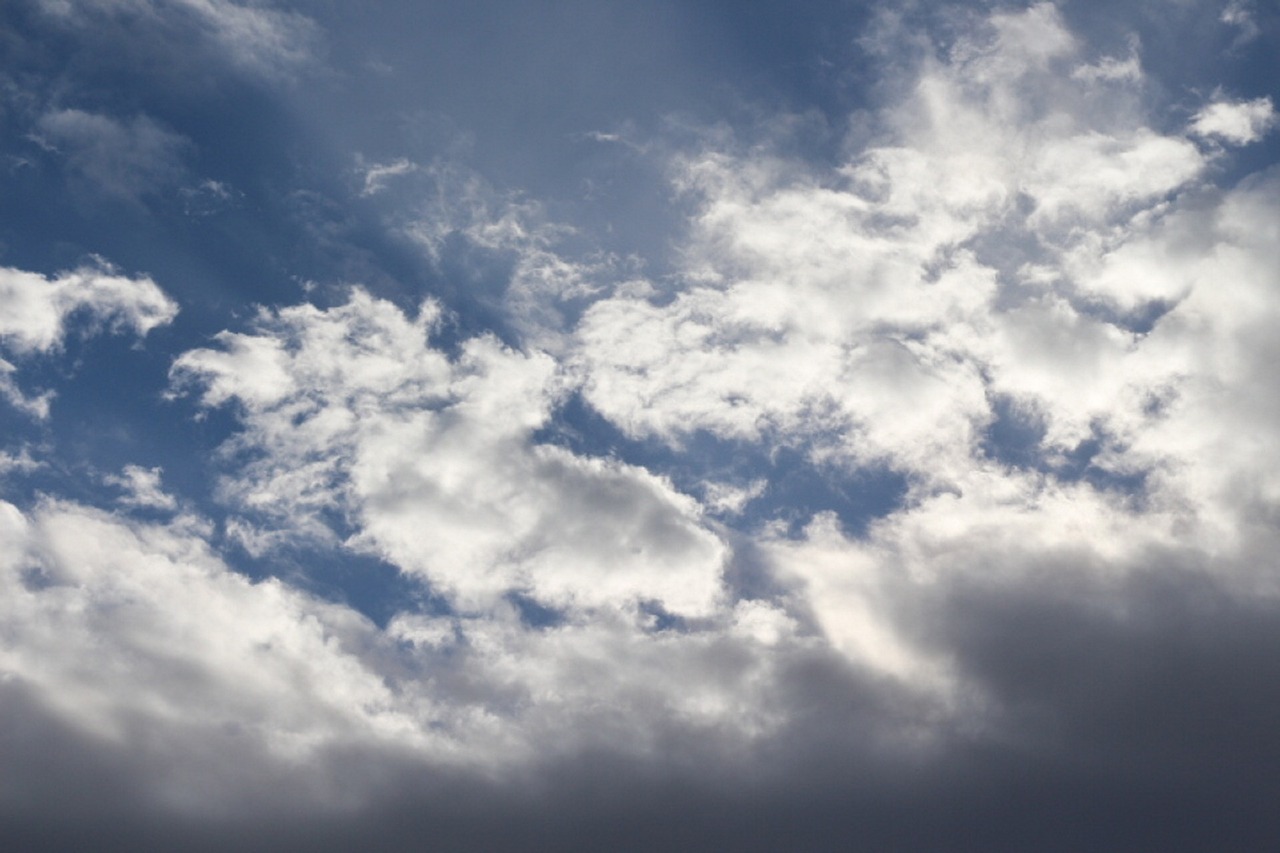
{"x": 1237, "y": 122}
{"x": 37, "y": 308}
{"x": 1014, "y": 238}
{"x": 138, "y": 635}
{"x": 234, "y": 698}
{"x": 1021, "y": 248}
{"x": 877, "y": 311}
{"x": 142, "y": 488}
{"x": 432, "y": 462}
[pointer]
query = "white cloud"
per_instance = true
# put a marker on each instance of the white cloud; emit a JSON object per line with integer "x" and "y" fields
{"x": 137, "y": 635}
{"x": 1003, "y": 241}
{"x": 1236, "y": 122}
{"x": 142, "y": 488}
{"x": 432, "y": 461}
{"x": 240, "y": 698}
{"x": 858, "y": 602}
{"x": 37, "y": 308}
{"x": 877, "y": 310}
{"x": 1020, "y": 236}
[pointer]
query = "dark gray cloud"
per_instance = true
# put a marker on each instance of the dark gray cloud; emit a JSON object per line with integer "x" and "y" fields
{"x": 1103, "y": 731}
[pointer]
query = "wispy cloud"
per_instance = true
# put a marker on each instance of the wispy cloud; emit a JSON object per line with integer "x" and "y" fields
{"x": 126, "y": 159}
{"x": 255, "y": 37}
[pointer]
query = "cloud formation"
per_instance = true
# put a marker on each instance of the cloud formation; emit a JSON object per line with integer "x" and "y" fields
{"x": 38, "y": 308}
{"x": 350, "y": 410}
{"x": 1021, "y": 289}
{"x": 1239, "y": 122}
{"x": 119, "y": 158}
{"x": 883, "y": 306}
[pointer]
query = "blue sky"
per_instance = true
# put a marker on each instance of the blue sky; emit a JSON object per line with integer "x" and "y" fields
{"x": 621, "y": 425}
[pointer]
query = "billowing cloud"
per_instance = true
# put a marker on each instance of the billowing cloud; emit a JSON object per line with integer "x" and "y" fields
{"x": 135, "y": 638}
{"x": 1238, "y": 122}
{"x": 879, "y": 311}
{"x": 351, "y": 410}
{"x": 38, "y": 308}
{"x": 96, "y": 633}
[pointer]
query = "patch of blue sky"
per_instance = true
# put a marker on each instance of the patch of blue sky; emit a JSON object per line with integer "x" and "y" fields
{"x": 369, "y": 585}
{"x": 793, "y": 490}
{"x": 1015, "y": 437}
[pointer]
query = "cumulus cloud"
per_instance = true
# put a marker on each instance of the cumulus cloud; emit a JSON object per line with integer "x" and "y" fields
{"x": 129, "y": 638}
{"x": 1237, "y": 122}
{"x": 142, "y": 488}
{"x": 351, "y": 410}
{"x": 121, "y": 628}
{"x": 37, "y": 308}
{"x": 1021, "y": 249}
{"x": 876, "y": 311}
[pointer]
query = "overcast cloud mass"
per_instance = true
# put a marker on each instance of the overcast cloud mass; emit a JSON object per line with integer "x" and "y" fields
{"x": 639, "y": 425}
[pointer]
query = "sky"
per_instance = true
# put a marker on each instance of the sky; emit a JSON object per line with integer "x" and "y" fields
{"x": 625, "y": 425}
